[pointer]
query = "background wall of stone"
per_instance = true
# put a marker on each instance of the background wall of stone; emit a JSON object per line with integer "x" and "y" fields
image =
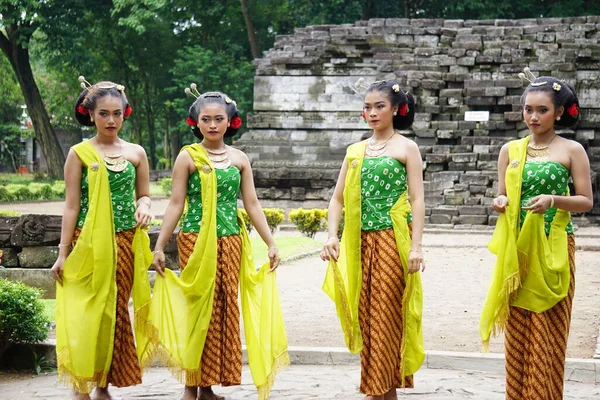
{"x": 307, "y": 109}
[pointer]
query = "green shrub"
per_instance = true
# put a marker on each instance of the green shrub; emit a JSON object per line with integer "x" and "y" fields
{"x": 166, "y": 185}
{"x": 156, "y": 222}
{"x": 274, "y": 217}
{"x": 247, "y": 221}
{"x": 309, "y": 222}
{"x": 22, "y": 317}
{"x": 59, "y": 188}
{"x": 24, "y": 194}
{"x": 5, "y": 195}
{"x": 40, "y": 176}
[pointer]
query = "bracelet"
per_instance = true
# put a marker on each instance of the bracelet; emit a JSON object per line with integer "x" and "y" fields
{"x": 415, "y": 251}
{"x": 157, "y": 251}
{"x": 551, "y": 201}
{"x": 273, "y": 247}
{"x": 63, "y": 245}
{"x": 333, "y": 237}
{"x": 148, "y": 203}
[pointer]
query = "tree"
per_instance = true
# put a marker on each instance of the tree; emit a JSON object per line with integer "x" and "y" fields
{"x": 19, "y": 22}
{"x": 254, "y": 46}
{"x": 10, "y": 131}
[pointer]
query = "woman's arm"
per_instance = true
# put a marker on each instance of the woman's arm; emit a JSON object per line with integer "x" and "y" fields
{"x": 414, "y": 169}
{"x": 73, "y": 174}
{"x": 501, "y": 201}
{"x": 255, "y": 211}
{"x": 142, "y": 189}
{"x": 181, "y": 174}
{"x": 334, "y": 214}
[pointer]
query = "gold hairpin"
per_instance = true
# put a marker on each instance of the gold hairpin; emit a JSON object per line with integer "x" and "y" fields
{"x": 84, "y": 84}
{"x": 527, "y": 75}
{"x": 87, "y": 86}
{"x": 192, "y": 90}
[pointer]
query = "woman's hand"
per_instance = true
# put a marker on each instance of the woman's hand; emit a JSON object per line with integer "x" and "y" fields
{"x": 57, "y": 269}
{"x": 415, "y": 261}
{"x": 142, "y": 216}
{"x": 499, "y": 204}
{"x": 539, "y": 204}
{"x": 274, "y": 258}
{"x": 158, "y": 262}
{"x": 331, "y": 249}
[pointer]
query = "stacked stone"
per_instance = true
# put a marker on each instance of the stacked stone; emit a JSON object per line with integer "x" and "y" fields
{"x": 307, "y": 109}
{"x": 29, "y": 250}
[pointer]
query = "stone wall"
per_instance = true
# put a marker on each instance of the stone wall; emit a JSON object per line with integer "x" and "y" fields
{"x": 307, "y": 109}
{"x": 29, "y": 247}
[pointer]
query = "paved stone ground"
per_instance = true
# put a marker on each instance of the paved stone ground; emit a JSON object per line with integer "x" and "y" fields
{"x": 299, "y": 383}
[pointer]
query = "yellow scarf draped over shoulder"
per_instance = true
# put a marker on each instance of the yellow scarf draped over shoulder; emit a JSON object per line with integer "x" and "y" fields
{"x": 343, "y": 281}
{"x": 182, "y": 306}
{"x": 86, "y": 301}
{"x": 532, "y": 269}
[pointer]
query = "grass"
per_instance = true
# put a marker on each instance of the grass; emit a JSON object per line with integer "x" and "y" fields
{"x": 288, "y": 246}
{"x": 156, "y": 191}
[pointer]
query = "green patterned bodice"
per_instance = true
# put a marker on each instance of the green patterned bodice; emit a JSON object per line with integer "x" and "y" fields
{"x": 228, "y": 187}
{"x": 122, "y": 188}
{"x": 383, "y": 180}
{"x": 545, "y": 177}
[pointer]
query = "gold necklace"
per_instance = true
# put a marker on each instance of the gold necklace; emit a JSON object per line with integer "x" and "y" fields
{"x": 114, "y": 162}
{"x": 539, "y": 152}
{"x": 376, "y": 149}
{"x": 219, "y": 157}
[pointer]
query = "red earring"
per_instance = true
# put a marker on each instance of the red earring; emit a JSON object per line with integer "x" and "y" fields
{"x": 364, "y": 117}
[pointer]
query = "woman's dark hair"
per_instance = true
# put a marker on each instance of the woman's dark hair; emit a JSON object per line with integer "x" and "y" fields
{"x": 398, "y": 97}
{"x": 229, "y": 106}
{"x": 90, "y": 96}
{"x": 562, "y": 95}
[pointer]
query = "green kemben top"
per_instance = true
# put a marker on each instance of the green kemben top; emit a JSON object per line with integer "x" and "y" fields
{"x": 122, "y": 187}
{"x": 228, "y": 187}
{"x": 383, "y": 180}
{"x": 545, "y": 177}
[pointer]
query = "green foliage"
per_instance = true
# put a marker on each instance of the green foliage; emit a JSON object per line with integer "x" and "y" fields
{"x": 166, "y": 184}
{"x": 247, "y": 221}
{"x": 41, "y": 364}
{"x": 309, "y": 222}
{"x": 274, "y": 217}
{"x": 22, "y": 317}
{"x": 156, "y": 222}
{"x": 32, "y": 191}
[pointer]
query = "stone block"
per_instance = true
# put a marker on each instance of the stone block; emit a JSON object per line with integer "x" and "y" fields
{"x": 36, "y": 230}
{"x": 472, "y": 219}
{"x": 495, "y": 91}
{"x": 440, "y": 219}
{"x": 7, "y": 224}
{"x": 473, "y": 210}
{"x": 9, "y": 257}
{"x": 513, "y": 116}
{"x": 39, "y": 278}
{"x": 464, "y": 158}
{"x": 445, "y": 210}
{"x": 38, "y": 257}
{"x": 456, "y": 166}
{"x": 477, "y": 189}
{"x": 481, "y": 101}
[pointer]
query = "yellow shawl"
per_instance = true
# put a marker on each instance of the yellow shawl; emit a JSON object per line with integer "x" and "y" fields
{"x": 181, "y": 307}
{"x": 532, "y": 270}
{"x": 343, "y": 281}
{"x": 86, "y": 301}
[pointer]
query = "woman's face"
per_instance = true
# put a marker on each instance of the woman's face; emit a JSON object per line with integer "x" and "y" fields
{"x": 213, "y": 121}
{"x": 108, "y": 115}
{"x": 539, "y": 112}
{"x": 378, "y": 110}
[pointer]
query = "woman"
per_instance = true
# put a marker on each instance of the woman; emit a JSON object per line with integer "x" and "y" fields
{"x": 197, "y": 316}
{"x": 373, "y": 275}
{"x": 531, "y": 292}
{"x": 106, "y": 208}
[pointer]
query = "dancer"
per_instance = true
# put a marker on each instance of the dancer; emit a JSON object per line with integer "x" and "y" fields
{"x": 106, "y": 211}
{"x": 197, "y": 316}
{"x": 373, "y": 274}
{"x": 531, "y": 292}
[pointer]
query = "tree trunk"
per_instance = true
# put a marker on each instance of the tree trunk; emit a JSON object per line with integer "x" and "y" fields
{"x": 45, "y": 135}
{"x": 367, "y": 11}
{"x": 167, "y": 145}
{"x": 150, "y": 122}
{"x": 406, "y": 8}
{"x": 175, "y": 145}
{"x": 254, "y": 45}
